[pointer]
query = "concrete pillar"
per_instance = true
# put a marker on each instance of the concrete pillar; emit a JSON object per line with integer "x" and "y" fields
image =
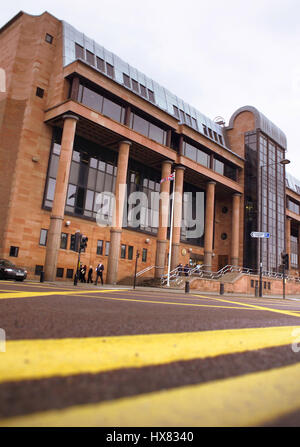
{"x": 179, "y": 175}
{"x": 161, "y": 243}
{"x": 116, "y": 229}
{"x": 236, "y": 199}
{"x": 61, "y": 186}
{"x": 298, "y": 249}
{"x": 288, "y": 232}
{"x": 209, "y": 224}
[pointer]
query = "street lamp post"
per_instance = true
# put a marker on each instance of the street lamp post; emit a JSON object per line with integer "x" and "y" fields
{"x": 285, "y": 161}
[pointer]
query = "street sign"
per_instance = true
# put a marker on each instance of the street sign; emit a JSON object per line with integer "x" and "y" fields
{"x": 260, "y": 234}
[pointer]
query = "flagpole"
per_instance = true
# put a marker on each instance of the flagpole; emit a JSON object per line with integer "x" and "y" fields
{"x": 171, "y": 234}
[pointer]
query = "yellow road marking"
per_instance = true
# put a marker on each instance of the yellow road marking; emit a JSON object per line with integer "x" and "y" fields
{"x": 53, "y": 292}
{"x": 36, "y": 359}
{"x": 254, "y": 306}
{"x": 167, "y": 302}
{"x": 249, "y": 400}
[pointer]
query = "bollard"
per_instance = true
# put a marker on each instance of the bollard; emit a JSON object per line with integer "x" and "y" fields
{"x": 42, "y": 276}
{"x": 75, "y": 279}
{"x": 187, "y": 287}
{"x": 221, "y": 288}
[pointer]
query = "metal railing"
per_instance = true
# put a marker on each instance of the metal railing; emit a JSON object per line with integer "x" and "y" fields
{"x": 200, "y": 272}
{"x": 147, "y": 269}
{"x": 181, "y": 272}
{"x": 178, "y": 274}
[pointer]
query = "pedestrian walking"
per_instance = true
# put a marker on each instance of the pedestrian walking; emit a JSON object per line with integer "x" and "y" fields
{"x": 90, "y": 275}
{"x": 83, "y": 273}
{"x": 99, "y": 273}
{"x": 186, "y": 270}
{"x": 179, "y": 269}
{"x": 80, "y": 272}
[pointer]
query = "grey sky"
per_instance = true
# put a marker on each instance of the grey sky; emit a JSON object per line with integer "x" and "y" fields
{"x": 217, "y": 56}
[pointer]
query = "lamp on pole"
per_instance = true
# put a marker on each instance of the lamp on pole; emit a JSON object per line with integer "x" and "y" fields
{"x": 285, "y": 161}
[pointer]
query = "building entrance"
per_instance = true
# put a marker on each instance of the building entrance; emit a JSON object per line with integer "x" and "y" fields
{"x": 222, "y": 261}
{"x": 196, "y": 260}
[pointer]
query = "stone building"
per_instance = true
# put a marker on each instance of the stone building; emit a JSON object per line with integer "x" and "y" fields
{"x": 81, "y": 131}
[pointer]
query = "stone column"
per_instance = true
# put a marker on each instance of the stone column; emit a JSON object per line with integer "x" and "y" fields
{"x": 61, "y": 186}
{"x": 209, "y": 224}
{"x": 116, "y": 229}
{"x": 178, "y": 191}
{"x": 161, "y": 242}
{"x": 299, "y": 249}
{"x": 236, "y": 199}
{"x": 288, "y": 222}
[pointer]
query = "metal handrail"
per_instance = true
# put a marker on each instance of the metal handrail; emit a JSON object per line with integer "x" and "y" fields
{"x": 141, "y": 272}
{"x": 201, "y": 272}
{"x": 173, "y": 275}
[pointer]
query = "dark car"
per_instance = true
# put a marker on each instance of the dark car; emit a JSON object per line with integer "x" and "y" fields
{"x": 9, "y": 271}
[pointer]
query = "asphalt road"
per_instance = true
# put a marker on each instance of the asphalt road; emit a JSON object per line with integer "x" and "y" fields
{"x": 102, "y": 356}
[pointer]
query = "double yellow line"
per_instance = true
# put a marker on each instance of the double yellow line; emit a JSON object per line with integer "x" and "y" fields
{"x": 247, "y": 400}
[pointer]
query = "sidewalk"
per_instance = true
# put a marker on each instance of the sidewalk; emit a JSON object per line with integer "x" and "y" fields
{"x": 160, "y": 289}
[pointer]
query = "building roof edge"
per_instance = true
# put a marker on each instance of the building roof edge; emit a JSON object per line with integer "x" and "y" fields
{"x": 262, "y": 123}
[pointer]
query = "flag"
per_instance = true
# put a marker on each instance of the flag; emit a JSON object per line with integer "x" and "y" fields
{"x": 169, "y": 178}
{"x": 72, "y": 196}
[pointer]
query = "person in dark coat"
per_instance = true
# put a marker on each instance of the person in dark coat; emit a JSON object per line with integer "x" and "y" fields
{"x": 83, "y": 273}
{"x": 179, "y": 269}
{"x": 186, "y": 270}
{"x": 99, "y": 273}
{"x": 80, "y": 272}
{"x": 90, "y": 274}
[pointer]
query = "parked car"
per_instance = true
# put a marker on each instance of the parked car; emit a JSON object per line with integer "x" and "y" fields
{"x": 10, "y": 271}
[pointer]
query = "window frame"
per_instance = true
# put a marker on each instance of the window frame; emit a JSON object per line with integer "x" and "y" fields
{"x": 46, "y": 237}
{"x": 144, "y": 254}
{"x": 123, "y": 251}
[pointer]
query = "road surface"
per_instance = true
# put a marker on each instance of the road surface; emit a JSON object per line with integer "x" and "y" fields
{"x": 117, "y": 357}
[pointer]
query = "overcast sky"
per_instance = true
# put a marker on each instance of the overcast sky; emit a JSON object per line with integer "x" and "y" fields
{"x": 216, "y": 55}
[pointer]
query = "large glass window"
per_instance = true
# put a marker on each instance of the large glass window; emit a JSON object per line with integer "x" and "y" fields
{"x": 102, "y": 104}
{"x": 195, "y": 154}
{"x": 294, "y": 251}
{"x": 52, "y": 171}
{"x": 93, "y": 170}
{"x": 148, "y": 128}
{"x": 269, "y": 201}
{"x": 223, "y": 168}
{"x": 91, "y": 99}
{"x": 292, "y": 206}
{"x": 193, "y": 212}
{"x": 143, "y": 197}
{"x": 113, "y": 110}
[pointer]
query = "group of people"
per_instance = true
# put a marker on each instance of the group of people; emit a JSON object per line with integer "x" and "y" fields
{"x": 99, "y": 273}
{"x": 183, "y": 270}
{"x": 186, "y": 269}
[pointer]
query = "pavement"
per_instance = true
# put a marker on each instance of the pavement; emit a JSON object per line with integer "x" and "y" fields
{"x": 161, "y": 289}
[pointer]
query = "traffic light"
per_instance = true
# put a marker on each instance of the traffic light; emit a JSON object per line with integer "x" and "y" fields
{"x": 77, "y": 241}
{"x": 285, "y": 260}
{"x": 83, "y": 242}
